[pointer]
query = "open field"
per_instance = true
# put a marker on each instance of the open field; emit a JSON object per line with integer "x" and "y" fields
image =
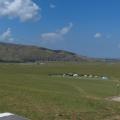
{"x": 27, "y": 90}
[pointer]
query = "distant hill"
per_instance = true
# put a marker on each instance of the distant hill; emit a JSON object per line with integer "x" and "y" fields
{"x": 25, "y": 53}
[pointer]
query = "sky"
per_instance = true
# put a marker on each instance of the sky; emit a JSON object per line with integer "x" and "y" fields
{"x": 86, "y": 27}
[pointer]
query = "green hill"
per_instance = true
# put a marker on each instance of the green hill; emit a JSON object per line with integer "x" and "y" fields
{"x": 24, "y": 53}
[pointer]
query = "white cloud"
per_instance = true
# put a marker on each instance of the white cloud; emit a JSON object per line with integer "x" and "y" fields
{"x": 7, "y": 36}
{"x": 51, "y": 36}
{"x": 58, "y": 35}
{"x": 98, "y": 35}
{"x": 66, "y": 29}
{"x": 23, "y": 9}
{"x": 52, "y": 6}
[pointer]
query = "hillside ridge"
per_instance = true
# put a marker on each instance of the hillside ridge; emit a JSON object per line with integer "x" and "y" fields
{"x": 10, "y": 52}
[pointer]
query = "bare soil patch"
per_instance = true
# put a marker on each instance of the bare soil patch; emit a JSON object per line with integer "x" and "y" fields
{"x": 114, "y": 98}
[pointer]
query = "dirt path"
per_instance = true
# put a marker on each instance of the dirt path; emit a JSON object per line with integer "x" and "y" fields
{"x": 115, "y": 98}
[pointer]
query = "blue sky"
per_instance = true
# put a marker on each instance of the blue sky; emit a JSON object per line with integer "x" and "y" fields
{"x": 87, "y": 27}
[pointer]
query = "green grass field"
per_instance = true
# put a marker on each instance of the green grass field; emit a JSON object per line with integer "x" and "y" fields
{"x": 27, "y": 90}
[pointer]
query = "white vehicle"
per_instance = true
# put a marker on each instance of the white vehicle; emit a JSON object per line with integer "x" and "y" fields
{"x": 10, "y": 116}
{"x": 104, "y": 78}
{"x": 75, "y": 75}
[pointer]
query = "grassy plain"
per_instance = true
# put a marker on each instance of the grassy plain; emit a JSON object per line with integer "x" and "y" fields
{"x": 27, "y": 90}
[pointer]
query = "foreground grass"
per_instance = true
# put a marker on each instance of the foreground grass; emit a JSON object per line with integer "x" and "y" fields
{"x": 27, "y": 90}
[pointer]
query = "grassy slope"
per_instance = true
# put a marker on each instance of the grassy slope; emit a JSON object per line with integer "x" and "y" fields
{"x": 28, "y": 90}
{"x": 23, "y": 53}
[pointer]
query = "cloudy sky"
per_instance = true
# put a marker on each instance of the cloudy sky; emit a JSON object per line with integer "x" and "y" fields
{"x": 87, "y": 27}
